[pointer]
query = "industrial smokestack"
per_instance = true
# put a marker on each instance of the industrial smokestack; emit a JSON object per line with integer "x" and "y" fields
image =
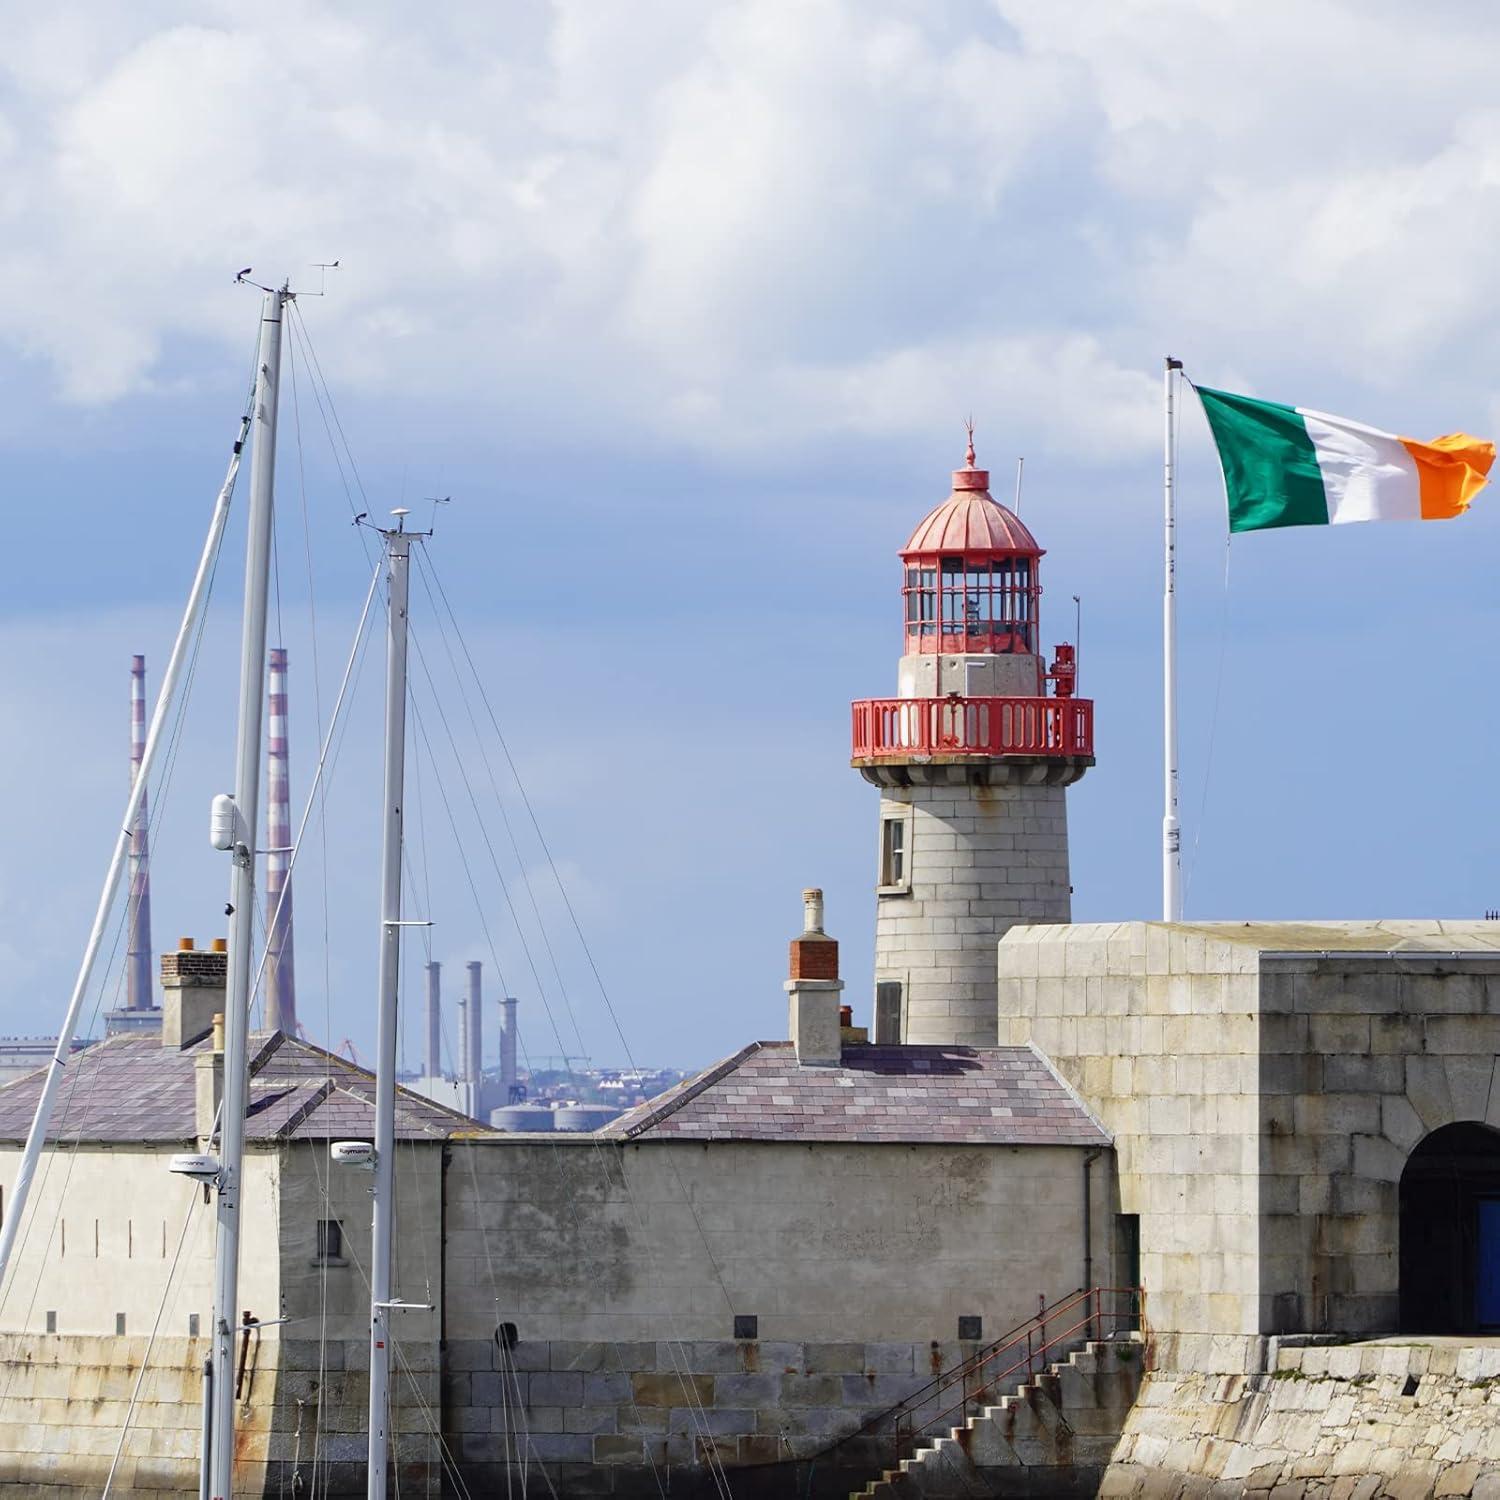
{"x": 434, "y": 1020}
{"x": 508, "y": 1049}
{"x": 138, "y": 950}
{"x": 476, "y": 1024}
{"x": 281, "y": 986}
{"x": 461, "y": 1063}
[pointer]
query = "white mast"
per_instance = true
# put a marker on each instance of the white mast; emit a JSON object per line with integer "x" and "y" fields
{"x": 15, "y": 1209}
{"x": 1171, "y": 833}
{"x": 398, "y": 553}
{"x": 242, "y": 891}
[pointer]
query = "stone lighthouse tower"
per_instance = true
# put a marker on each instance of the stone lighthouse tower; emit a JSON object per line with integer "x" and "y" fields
{"x": 971, "y": 757}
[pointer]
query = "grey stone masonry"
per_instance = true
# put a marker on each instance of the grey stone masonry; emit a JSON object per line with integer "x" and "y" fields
{"x": 646, "y": 1418}
{"x": 981, "y": 859}
{"x": 1265, "y": 1085}
{"x": 1345, "y": 1422}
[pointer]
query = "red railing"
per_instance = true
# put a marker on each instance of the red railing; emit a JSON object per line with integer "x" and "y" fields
{"x": 913, "y": 728}
{"x": 1026, "y": 1352}
{"x": 991, "y": 1372}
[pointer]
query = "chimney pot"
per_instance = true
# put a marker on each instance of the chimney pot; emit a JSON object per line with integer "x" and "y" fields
{"x": 218, "y": 1042}
{"x": 813, "y": 954}
{"x": 812, "y": 902}
{"x": 184, "y": 945}
{"x": 219, "y": 945}
{"x": 813, "y": 989}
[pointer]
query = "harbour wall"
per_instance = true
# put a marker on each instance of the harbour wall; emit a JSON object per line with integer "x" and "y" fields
{"x": 1229, "y": 1417}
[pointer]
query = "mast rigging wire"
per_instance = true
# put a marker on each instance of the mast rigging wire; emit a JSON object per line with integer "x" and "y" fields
{"x": 715, "y": 1464}
{"x": 691, "y": 1401}
{"x": 197, "y": 595}
{"x": 159, "y": 805}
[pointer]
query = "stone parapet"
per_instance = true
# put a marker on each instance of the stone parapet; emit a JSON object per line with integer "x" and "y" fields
{"x": 1343, "y": 1421}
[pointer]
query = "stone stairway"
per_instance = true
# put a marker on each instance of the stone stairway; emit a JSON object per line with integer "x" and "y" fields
{"x": 1053, "y": 1436}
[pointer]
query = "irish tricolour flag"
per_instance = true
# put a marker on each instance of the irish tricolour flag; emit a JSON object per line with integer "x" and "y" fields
{"x": 1288, "y": 466}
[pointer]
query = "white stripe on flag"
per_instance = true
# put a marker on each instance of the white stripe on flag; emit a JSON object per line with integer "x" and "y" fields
{"x": 1367, "y": 474}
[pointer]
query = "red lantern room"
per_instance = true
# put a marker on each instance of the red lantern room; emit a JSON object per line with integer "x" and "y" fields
{"x": 973, "y": 686}
{"x": 971, "y": 575}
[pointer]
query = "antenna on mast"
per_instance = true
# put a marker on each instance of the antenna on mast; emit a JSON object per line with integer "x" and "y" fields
{"x": 1077, "y": 639}
{"x": 1020, "y": 464}
{"x": 324, "y": 266}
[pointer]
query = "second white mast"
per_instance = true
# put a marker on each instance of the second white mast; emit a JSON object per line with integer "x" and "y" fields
{"x": 398, "y": 553}
{"x": 247, "y": 768}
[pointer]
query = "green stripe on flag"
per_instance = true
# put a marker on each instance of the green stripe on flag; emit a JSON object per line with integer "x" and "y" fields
{"x": 1271, "y": 473}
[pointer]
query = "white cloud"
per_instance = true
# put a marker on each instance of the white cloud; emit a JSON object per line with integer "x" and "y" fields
{"x": 754, "y": 216}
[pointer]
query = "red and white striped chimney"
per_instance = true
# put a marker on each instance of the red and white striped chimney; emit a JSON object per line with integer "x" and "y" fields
{"x": 138, "y": 958}
{"x": 281, "y": 988}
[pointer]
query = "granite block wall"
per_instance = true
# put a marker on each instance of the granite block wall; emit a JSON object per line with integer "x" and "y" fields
{"x": 643, "y": 1417}
{"x": 1336, "y": 1422}
{"x": 1265, "y": 1083}
{"x": 980, "y": 859}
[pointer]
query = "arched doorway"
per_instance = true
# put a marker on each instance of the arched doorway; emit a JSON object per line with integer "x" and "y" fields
{"x": 1450, "y": 1232}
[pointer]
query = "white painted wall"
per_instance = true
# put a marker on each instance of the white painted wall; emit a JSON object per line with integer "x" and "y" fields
{"x": 103, "y": 1228}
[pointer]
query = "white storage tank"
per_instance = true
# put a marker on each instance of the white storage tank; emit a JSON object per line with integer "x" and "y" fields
{"x": 528, "y": 1117}
{"x": 585, "y": 1116}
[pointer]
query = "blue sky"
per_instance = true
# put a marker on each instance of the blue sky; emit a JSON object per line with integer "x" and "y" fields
{"x": 685, "y": 304}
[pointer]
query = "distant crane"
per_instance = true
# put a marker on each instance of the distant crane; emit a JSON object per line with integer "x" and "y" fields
{"x": 351, "y": 1052}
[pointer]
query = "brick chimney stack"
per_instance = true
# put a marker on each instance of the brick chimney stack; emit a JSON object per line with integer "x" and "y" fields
{"x": 813, "y": 989}
{"x": 194, "y": 985}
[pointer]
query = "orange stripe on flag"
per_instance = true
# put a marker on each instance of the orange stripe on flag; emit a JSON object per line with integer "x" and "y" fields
{"x": 1451, "y": 471}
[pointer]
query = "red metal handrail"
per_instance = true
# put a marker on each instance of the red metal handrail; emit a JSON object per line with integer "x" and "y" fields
{"x": 1073, "y": 1320}
{"x": 1070, "y": 1320}
{"x": 912, "y": 728}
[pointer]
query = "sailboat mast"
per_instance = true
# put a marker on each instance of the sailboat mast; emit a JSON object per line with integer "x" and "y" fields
{"x": 242, "y": 891}
{"x": 398, "y": 554}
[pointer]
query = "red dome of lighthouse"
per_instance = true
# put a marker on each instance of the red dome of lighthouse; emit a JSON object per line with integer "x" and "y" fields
{"x": 970, "y": 574}
{"x": 972, "y": 521}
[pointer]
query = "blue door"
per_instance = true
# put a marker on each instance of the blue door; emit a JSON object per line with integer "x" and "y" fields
{"x": 1487, "y": 1291}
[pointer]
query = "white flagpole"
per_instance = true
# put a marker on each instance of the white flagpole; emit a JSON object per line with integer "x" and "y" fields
{"x": 1171, "y": 832}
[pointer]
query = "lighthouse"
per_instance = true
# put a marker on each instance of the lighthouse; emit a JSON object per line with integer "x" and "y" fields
{"x": 972, "y": 757}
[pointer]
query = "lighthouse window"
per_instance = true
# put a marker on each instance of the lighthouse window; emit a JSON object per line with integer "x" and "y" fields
{"x": 964, "y": 605}
{"x": 921, "y": 601}
{"x": 893, "y": 851}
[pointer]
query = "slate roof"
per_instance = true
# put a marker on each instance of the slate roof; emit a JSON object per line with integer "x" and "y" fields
{"x": 993, "y": 1096}
{"x": 132, "y": 1089}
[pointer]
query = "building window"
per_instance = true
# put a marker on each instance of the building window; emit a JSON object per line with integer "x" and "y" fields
{"x": 119, "y": 1325}
{"x": 51, "y": 1322}
{"x": 330, "y": 1243}
{"x": 193, "y": 1325}
{"x": 746, "y": 1326}
{"x": 1128, "y": 1249}
{"x": 895, "y": 853}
